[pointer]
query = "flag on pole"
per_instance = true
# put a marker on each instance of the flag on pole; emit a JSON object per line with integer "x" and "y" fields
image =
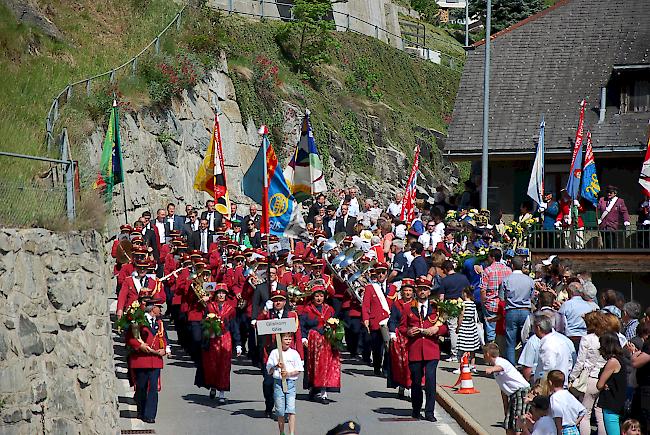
{"x": 110, "y": 167}
{"x": 536, "y": 183}
{"x": 644, "y": 178}
{"x": 408, "y": 201}
{"x": 575, "y": 173}
{"x": 264, "y": 183}
{"x": 304, "y": 173}
{"x": 211, "y": 175}
{"x": 590, "y": 185}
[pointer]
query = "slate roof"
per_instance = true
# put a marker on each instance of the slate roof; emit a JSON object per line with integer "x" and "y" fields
{"x": 547, "y": 64}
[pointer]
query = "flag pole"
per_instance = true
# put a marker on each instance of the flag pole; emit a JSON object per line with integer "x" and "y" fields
{"x": 117, "y": 126}
{"x": 265, "y": 203}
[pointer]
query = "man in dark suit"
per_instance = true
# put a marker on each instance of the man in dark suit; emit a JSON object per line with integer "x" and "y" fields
{"x": 188, "y": 211}
{"x": 262, "y": 291}
{"x": 315, "y": 207}
{"x": 213, "y": 217}
{"x": 345, "y": 223}
{"x": 149, "y": 238}
{"x": 329, "y": 221}
{"x": 254, "y": 216}
{"x": 202, "y": 238}
{"x": 174, "y": 221}
{"x": 419, "y": 325}
{"x": 191, "y": 225}
{"x": 234, "y": 216}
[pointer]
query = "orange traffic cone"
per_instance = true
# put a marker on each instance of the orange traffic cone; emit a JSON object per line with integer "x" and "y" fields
{"x": 466, "y": 382}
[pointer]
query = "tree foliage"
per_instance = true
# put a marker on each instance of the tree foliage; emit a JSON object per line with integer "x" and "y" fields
{"x": 428, "y": 9}
{"x": 307, "y": 41}
{"x": 505, "y": 13}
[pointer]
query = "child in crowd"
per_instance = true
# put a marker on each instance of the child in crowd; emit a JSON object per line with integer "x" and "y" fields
{"x": 537, "y": 421}
{"x": 631, "y": 427}
{"x": 566, "y": 410}
{"x": 468, "y": 338}
{"x": 289, "y": 369}
{"x": 514, "y": 388}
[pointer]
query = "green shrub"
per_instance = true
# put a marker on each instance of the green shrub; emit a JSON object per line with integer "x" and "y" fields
{"x": 364, "y": 79}
{"x": 168, "y": 75}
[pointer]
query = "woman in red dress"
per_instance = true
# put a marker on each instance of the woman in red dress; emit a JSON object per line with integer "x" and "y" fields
{"x": 214, "y": 370}
{"x": 399, "y": 374}
{"x": 323, "y": 370}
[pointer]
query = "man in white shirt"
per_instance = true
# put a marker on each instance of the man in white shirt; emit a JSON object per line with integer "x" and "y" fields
{"x": 434, "y": 234}
{"x": 161, "y": 225}
{"x": 554, "y": 351}
{"x": 395, "y": 207}
{"x": 354, "y": 208}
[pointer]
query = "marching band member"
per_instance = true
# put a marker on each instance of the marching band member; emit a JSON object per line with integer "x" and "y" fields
{"x": 323, "y": 372}
{"x": 135, "y": 287}
{"x": 214, "y": 370}
{"x": 399, "y": 375}
{"x": 146, "y": 360}
{"x": 420, "y": 323}
{"x": 196, "y": 307}
{"x": 378, "y": 296}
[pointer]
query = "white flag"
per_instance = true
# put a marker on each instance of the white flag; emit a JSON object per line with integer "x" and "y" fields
{"x": 536, "y": 183}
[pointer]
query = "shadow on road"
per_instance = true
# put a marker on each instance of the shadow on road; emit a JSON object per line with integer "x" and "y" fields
{"x": 252, "y": 413}
{"x": 184, "y": 364}
{"x": 393, "y": 411}
{"x": 358, "y": 372}
{"x": 382, "y": 394}
{"x": 126, "y": 400}
{"x": 204, "y": 399}
{"x": 126, "y": 413}
{"x": 256, "y": 372}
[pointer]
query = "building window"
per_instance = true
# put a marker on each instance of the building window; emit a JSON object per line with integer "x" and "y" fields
{"x": 635, "y": 94}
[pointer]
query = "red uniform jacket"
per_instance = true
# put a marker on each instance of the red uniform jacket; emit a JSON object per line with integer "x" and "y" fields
{"x": 421, "y": 348}
{"x": 314, "y": 319}
{"x": 565, "y": 210}
{"x": 180, "y": 285}
{"x": 444, "y": 248}
{"x": 125, "y": 271}
{"x": 139, "y": 359}
{"x": 129, "y": 293}
{"x": 285, "y": 277}
{"x": 352, "y": 305}
{"x": 371, "y": 308}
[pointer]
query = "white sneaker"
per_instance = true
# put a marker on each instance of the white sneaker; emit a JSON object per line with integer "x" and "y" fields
{"x": 456, "y": 372}
{"x": 474, "y": 370}
{"x": 452, "y": 359}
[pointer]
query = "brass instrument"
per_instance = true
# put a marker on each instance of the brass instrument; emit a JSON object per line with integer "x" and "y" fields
{"x": 197, "y": 286}
{"x": 124, "y": 251}
{"x": 174, "y": 273}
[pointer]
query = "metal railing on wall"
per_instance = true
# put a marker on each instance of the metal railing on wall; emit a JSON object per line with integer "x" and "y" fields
{"x": 356, "y": 25}
{"x": 66, "y": 94}
{"x": 632, "y": 238}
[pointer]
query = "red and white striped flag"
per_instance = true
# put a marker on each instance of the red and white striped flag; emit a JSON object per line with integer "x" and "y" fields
{"x": 408, "y": 202}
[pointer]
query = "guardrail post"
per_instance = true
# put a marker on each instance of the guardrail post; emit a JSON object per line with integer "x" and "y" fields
{"x": 262, "y": 8}
{"x": 112, "y": 76}
{"x": 347, "y": 27}
{"x": 134, "y": 65}
{"x": 402, "y": 39}
{"x": 48, "y": 132}
{"x": 55, "y": 113}
{"x": 178, "y": 22}
{"x": 158, "y": 45}
{"x": 68, "y": 93}
{"x": 88, "y": 87}
{"x": 376, "y": 32}
{"x": 69, "y": 175}
{"x": 229, "y": 6}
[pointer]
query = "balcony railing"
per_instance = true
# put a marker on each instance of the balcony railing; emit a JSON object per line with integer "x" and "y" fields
{"x": 590, "y": 239}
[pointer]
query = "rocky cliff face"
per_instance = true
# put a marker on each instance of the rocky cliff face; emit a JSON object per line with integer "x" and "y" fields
{"x": 56, "y": 354}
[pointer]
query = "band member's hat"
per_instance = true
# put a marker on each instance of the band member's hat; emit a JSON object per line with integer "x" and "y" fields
{"x": 297, "y": 259}
{"x": 232, "y": 244}
{"x": 611, "y": 189}
{"x": 382, "y": 265}
{"x": 408, "y": 282}
{"x": 142, "y": 264}
{"x": 185, "y": 258}
{"x": 139, "y": 250}
{"x": 348, "y": 240}
{"x": 136, "y": 239}
{"x": 177, "y": 241}
{"x": 199, "y": 263}
{"x": 346, "y": 428}
{"x": 174, "y": 233}
{"x": 263, "y": 261}
{"x": 307, "y": 261}
{"x": 248, "y": 252}
{"x": 278, "y": 294}
{"x": 221, "y": 287}
{"x": 317, "y": 262}
{"x": 125, "y": 228}
{"x": 423, "y": 282}
{"x": 364, "y": 260}
{"x": 148, "y": 300}
{"x": 196, "y": 254}
{"x": 239, "y": 255}
{"x": 318, "y": 289}
{"x": 152, "y": 265}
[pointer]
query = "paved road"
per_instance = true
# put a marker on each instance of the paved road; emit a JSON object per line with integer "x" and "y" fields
{"x": 186, "y": 409}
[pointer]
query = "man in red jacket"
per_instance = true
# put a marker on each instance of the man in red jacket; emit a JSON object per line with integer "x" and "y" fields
{"x": 137, "y": 286}
{"x": 378, "y": 296}
{"x": 146, "y": 360}
{"x": 420, "y": 323}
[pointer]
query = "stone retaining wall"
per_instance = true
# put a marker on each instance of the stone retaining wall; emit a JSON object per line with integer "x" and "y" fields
{"x": 56, "y": 355}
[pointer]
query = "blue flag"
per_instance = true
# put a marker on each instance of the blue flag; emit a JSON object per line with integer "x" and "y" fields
{"x": 575, "y": 173}
{"x": 590, "y": 185}
{"x": 284, "y": 217}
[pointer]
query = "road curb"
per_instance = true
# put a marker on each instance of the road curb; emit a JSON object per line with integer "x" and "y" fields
{"x": 458, "y": 413}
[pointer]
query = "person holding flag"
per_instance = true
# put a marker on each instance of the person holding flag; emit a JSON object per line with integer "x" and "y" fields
{"x": 407, "y": 214}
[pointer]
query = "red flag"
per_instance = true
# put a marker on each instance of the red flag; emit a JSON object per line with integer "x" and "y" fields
{"x": 408, "y": 202}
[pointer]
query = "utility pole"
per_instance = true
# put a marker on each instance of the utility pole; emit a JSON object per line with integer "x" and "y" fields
{"x": 466, "y": 23}
{"x": 486, "y": 108}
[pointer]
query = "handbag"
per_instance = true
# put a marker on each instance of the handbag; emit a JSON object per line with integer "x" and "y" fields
{"x": 479, "y": 327}
{"x": 580, "y": 383}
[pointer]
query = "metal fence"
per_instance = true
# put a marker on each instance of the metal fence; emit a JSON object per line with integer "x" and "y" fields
{"x": 130, "y": 65}
{"x": 590, "y": 239}
{"x": 351, "y": 24}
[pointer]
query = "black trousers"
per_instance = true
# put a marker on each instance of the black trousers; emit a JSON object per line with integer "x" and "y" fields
{"x": 195, "y": 337}
{"x": 146, "y": 392}
{"x": 253, "y": 350}
{"x": 377, "y": 348}
{"x": 418, "y": 369}
{"x": 267, "y": 390}
{"x": 243, "y": 323}
{"x": 336, "y": 304}
{"x": 352, "y": 333}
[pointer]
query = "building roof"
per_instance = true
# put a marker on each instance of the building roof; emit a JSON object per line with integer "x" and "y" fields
{"x": 546, "y": 65}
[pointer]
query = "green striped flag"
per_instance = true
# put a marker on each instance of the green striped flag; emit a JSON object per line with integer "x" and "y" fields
{"x": 110, "y": 166}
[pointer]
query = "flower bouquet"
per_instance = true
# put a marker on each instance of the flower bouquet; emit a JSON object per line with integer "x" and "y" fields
{"x": 133, "y": 315}
{"x": 452, "y": 216}
{"x": 212, "y": 326}
{"x": 449, "y": 308}
{"x": 334, "y": 332}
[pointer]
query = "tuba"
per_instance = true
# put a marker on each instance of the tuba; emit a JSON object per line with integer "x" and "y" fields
{"x": 344, "y": 265}
{"x": 124, "y": 251}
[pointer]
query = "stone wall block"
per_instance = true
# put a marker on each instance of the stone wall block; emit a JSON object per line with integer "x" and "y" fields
{"x": 29, "y": 337}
